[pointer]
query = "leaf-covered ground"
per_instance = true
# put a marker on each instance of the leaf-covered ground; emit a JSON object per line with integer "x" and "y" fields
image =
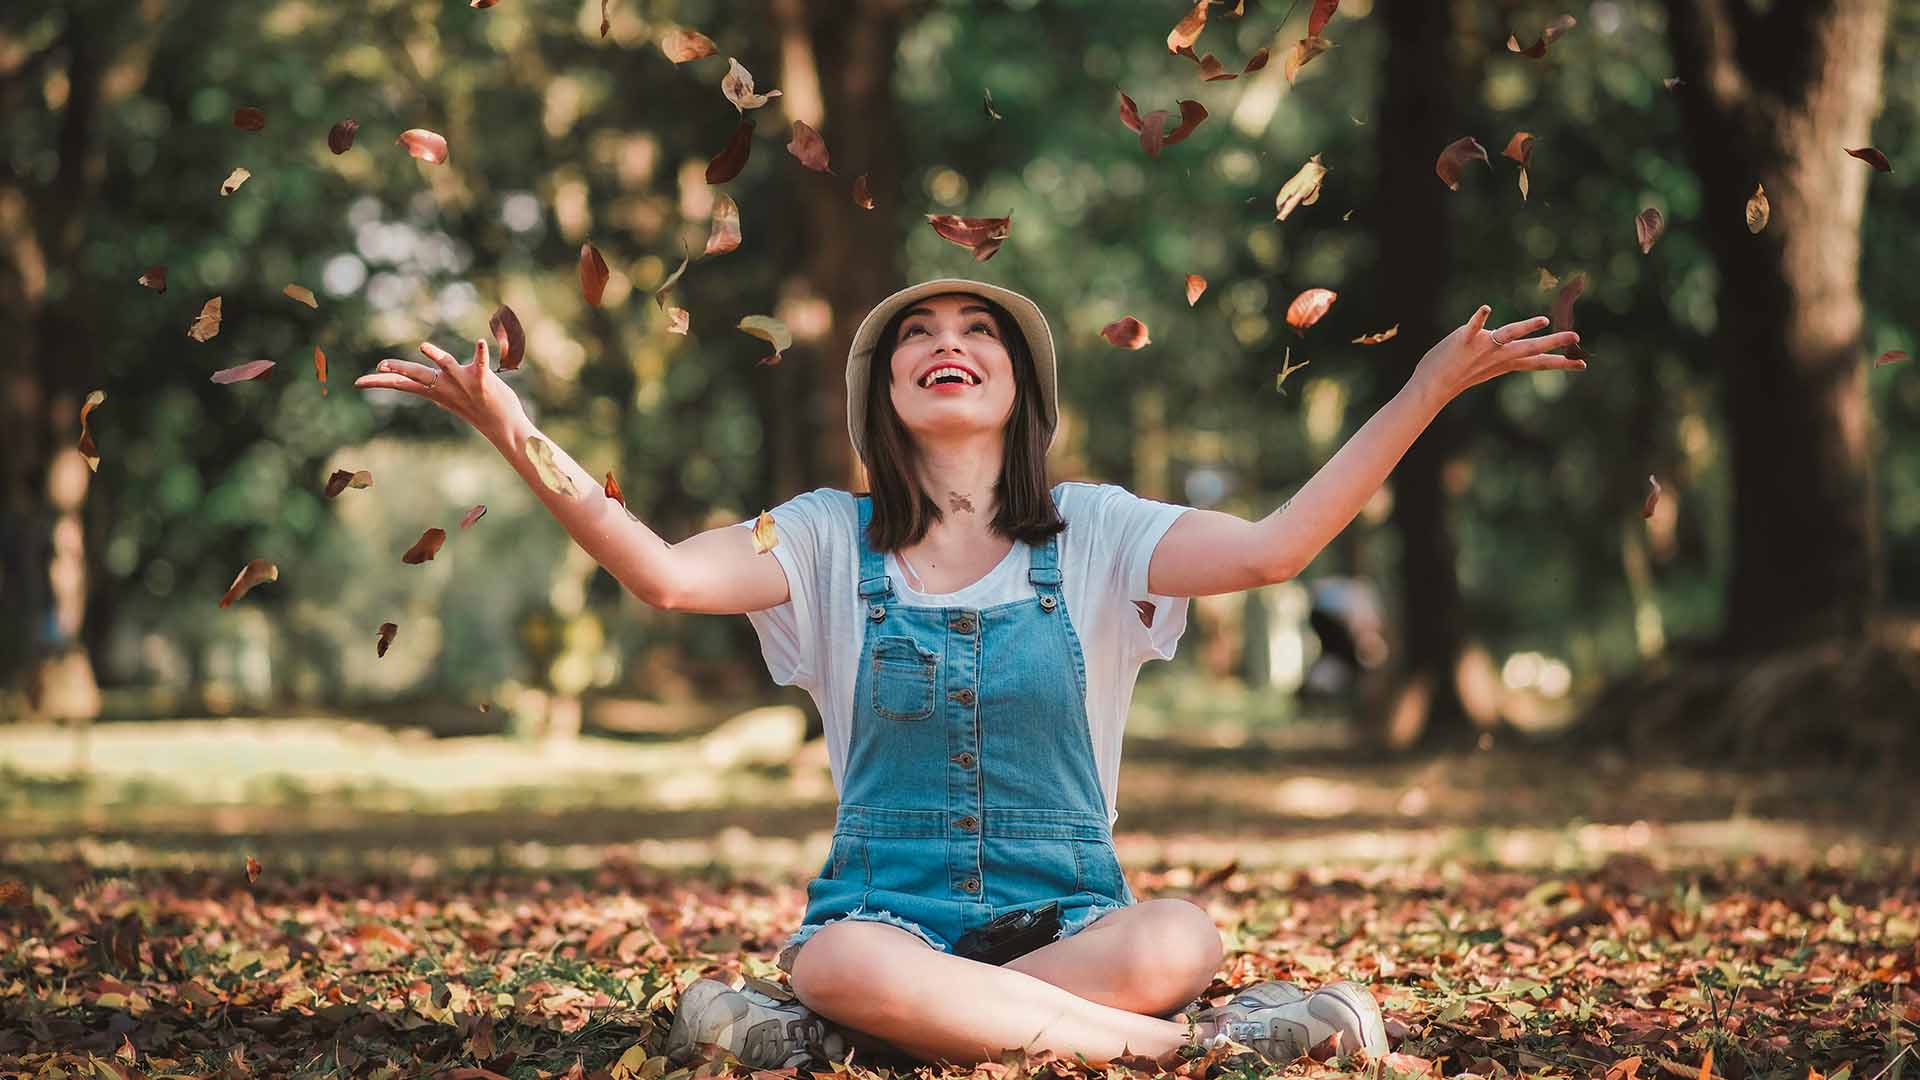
{"x": 1773, "y": 968}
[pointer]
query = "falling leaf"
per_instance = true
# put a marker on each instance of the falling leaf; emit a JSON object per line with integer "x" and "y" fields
{"x": 763, "y": 536}
{"x": 249, "y": 118}
{"x": 992, "y": 114}
{"x": 1287, "y": 367}
{"x": 677, "y": 320}
{"x": 1455, "y": 157}
{"x": 1548, "y": 35}
{"x": 684, "y": 45}
{"x": 342, "y": 480}
{"x": 1757, "y": 209}
{"x": 207, "y": 323}
{"x": 1145, "y": 608}
{"x": 1873, "y": 157}
{"x": 983, "y": 235}
{"x": 1374, "y": 339}
{"x": 546, "y": 462}
{"x": 1520, "y": 149}
{"x": 1195, "y": 286}
{"x": 1563, "y": 312}
{"x": 1212, "y": 70}
{"x": 509, "y": 335}
{"x": 253, "y": 869}
{"x": 1303, "y": 189}
{"x": 87, "y": 449}
{"x": 733, "y": 157}
{"x": 862, "y": 196}
{"x": 612, "y": 488}
{"x": 1322, "y": 11}
{"x": 1149, "y": 127}
{"x": 606, "y": 21}
{"x": 1548, "y": 282}
{"x": 233, "y": 181}
{"x": 387, "y": 630}
{"x": 1670, "y": 83}
{"x": 737, "y": 85}
{"x": 340, "y": 138}
{"x": 255, "y": 572}
{"x": 770, "y": 330}
{"x": 1187, "y": 30}
{"x": 593, "y": 273}
{"x": 481, "y": 3}
{"x": 428, "y": 146}
{"x": 252, "y": 369}
{"x": 320, "y": 369}
{"x": 1309, "y": 308}
{"x": 155, "y": 278}
{"x": 1653, "y": 497}
{"x": 1126, "y": 332}
{"x": 1300, "y": 53}
{"x": 474, "y": 513}
{"x": 724, "y": 235}
{"x": 808, "y": 148}
{"x": 425, "y": 548}
{"x": 1648, "y": 225}
{"x": 302, "y": 294}
{"x": 1891, "y": 356}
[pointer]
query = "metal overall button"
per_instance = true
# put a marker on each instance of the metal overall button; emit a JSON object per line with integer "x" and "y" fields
{"x": 964, "y": 759}
{"x": 964, "y": 696}
{"x": 876, "y": 612}
{"x": 968, "y": 823}
{"x": 962, "y": 625}
{"x": 971, "y": 885}
{"x": 1046, "y": 603}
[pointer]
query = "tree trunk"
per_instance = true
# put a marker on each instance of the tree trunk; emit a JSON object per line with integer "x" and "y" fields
{"x": 1772, "y": 99}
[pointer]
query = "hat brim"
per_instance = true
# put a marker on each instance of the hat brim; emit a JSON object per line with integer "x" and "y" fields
{"x": 1033, "y": 325}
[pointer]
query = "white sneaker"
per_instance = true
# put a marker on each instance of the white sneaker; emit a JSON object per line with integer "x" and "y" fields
{"x": 1280, "y": 1022}
{"x": 762, "y": 1024}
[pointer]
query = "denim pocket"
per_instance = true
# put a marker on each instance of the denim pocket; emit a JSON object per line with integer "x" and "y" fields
{"x": 1097, "y": 869}
{"x": 903, "y": 679}
{"x": 847, "y": 860}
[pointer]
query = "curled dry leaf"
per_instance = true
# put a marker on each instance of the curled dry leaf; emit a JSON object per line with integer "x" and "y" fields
{"x": 233, "y": 181}
{"x": 612, "y": 488}
{"x": 1309, "y": 308}
{"x": 1873, "y": 157}
{"x": 606, "y": 20}
{"x": 1187, "y": 30}
{"x": 1287, "y": 367}
{"x": 1195, "y": 286}
{"x": 320, "y": 369}
{"x": 87, "y": 449}
{"x": 677, "y": 320}
{"x": 252, "y": 369}
{"x": 983, "y": 235}
{"x": 340, "y": 138}
{"x": 660, "y": 294}
{"x": 425, "y": 548}
{"x": 249, "y": 118}
{"x": 341, "y": 480}
{"x": 593, "y": 273}
{"x": 1126, "y": 332}
{"x": 428, "y": 146}
{"x": 387, "y": 630}
{"x": 1520, "y": 149}
{"x": 546, "y": 462}
{"x": 1376, "y": 338}
{"x": 770, "y": 330}
{"x": 1891, "y": 356}
{"x": 1562, "y": 318}
{"x": 1149, "y": 127}
{"x": 253, "y": 869}
{"x": 302, "y": 294}
{"x": 987, "y": 104}
{"x": 1322, "y": 11}
{"x": 1212, "y": 70}
{"x": 1303, "y": 189}
{"x": 1758, "y": 209}
{"x": 808, "y": 148}
{"x": 733, "y": 157}
{"x": 1548, "y": 35}
{"x": 1648, "y": 225}
{"x": 684, "y": 45}
{"x": 255, "y": 572}
{"x": 207, "y": 323}
{"x": 763, "y": 535}
{"x": 474, "y": 513}
{"x": 1653, "y": 497}
{"x": 737, "y": 85}
{"x": 862, "y": 194}
{"x": 155, "y": 278}
{"x": 1300, "y": 53}
{"x": 510, "y": 336}
{"x": 724, "y": 235}
{"x": 1455, "y": 157}
{"x": 1670, "y": 83}
{"x": 482, "y": 3}
{"x": 1548, "y": 282}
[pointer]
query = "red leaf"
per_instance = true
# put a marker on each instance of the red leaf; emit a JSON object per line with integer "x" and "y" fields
{"x": 1191, "y": 113}
{"x": 725, "y": 234}
{"x": 253, "y": 869}
{"x": 1126, "y": 332}
{"x": 1455, "y": 157}
{"x": 473, "y": 514}
{"x": 1873, "y": 157}
{"x": 1653, "y": 497}
{"x": 684, "y": 45}
{"x": 983, "y": 235}
{"x": 730, "y": 160}
{"x": 808, "y": 147}
{"x": 387, "y": 630}
{"x": 1309, "y": 308}
{"x": 593, "y": 273}
{"x": 320, "y": 369}
{"x": 862, "y": 196}
{"x": 1322, "y": 11}
{"x": 1891, "y": 356}
{"x": 1195, "y": 286}
{"x": 341, "y": 480}
{"x": 510, "y": 336}
{"x": 428, "y": 146}
{"x": 425, "y": 548}
{"x": 249, "y": 118}
{"x": 1648, "y": 225}
{"x": 155, "y": 278}
{"x": 252, "y": 369}
{"x": 612, "y": 489}
{"x": 340, "y": 139}
{"x": 255, "y": 572}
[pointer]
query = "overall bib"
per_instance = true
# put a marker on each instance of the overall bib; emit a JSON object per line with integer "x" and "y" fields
{"x": 970, "y": 786}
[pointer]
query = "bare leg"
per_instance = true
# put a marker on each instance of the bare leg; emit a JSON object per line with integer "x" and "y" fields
{"x": 1152, "y": 957}
{"x": 937, "y": 1007}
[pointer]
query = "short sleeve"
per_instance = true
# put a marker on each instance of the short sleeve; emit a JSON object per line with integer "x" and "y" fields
{"x": 791, "y": 634}
{"x": 1133, "y": 526}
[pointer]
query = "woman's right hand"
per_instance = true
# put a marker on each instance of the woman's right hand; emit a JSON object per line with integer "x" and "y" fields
{"x": 472, "y": 392}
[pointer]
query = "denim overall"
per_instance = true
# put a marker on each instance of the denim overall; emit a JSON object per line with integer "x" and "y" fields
{"x": 970, "y": 786}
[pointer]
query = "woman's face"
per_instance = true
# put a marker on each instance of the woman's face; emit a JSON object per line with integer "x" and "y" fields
{"x": 941, "y": 334}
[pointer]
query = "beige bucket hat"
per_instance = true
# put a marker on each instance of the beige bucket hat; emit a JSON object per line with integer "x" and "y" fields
{"x": 1024, "y": 311}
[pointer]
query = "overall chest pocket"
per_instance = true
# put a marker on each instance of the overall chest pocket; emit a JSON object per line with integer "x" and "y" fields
{"x": 902, "y": 679}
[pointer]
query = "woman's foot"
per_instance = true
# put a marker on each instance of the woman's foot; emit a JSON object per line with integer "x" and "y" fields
{"x": 762, "y": 1024}
{"x": 1280, "y": 1022}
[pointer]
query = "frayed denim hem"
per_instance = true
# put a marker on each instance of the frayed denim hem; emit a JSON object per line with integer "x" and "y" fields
{"x": 784, "y": 961}
{"x": 1073, "y": 924}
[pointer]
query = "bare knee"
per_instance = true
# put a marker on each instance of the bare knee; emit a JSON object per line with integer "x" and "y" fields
{"x": 1183, "y": 954}
{"x": 840, "y": 969}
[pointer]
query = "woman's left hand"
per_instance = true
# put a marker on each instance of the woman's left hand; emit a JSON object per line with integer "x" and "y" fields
{"x": 1473, "y": 354}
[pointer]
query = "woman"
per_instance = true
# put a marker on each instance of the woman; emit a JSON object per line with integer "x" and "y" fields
{"x": 972, "y": 655}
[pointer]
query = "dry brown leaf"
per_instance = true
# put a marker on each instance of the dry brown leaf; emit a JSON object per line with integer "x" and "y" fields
{"x": 1548, "y": 35}
{"x": 546, "y": 463}
{"x": 764, "y": 538}
{"x": 770, "y": 330}
{"x": 724, "y": 235}
{"x": 1647, "y": 226}
{"x": 983, "y": 235}
{"x": 233, "y": 181}
{"x": 155, "y": 278}
{"x": 1873, "y": 157}
{"x": 733, "y": 157}
{"x": 301, "y": 294}
{"x": 255, "y": 572}
{"x": 425, "y": 548}
{"x": 428, "y": 146}
{"x": 342, "y": 480}
{"x": 1376, "y": 338}
{"x": 678, "y": 319}
{"x": 252, "y": 369}
{"x": 606, "y": 20}
{"x": 249, "y": 118}
{"x": 862, "y": 195}
{"x": 1287, "y": 367}
{"x": 593, "y": 274}
{"x": 510, "y": 336}
{"x": 1126, "y": 332}
{"x": 808, "y": 148}
{"x": 1150, "y": 127}
{"x": 207, "y": 323}
{"x": 1548, "y": 282}
{"x": 387, "y": 630}
{"x": 474, "y": 513}
{"x": 1455, "y": 157}
{"x": 87, "y": 450}
{"x": 1653, "y": 497}
{"x": 1309, "y": 308}
{"x": 1303, "y": 189}
{"x": 253, "y": 869}
{"x": 737, "y": 85}
{"x": 1301, "y": 52}
{"x": 612, "y": 488}
{"x": 320, "y": 369}
{"x": 1195, "y": 286}
{"x": 1187, "y": 30}
{"x": 1758, "y": 209}
{"x": 340, "y": 137}
{"x": 1520, "y": 149}
{"x": 684, "y": 45}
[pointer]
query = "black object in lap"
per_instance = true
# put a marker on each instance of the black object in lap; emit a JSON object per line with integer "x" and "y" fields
{"x": 1013, "y": 934}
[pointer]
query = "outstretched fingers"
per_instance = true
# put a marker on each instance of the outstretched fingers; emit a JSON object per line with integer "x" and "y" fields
{"x": 1513, "y": 331}
{"x": 1478, "y": 319}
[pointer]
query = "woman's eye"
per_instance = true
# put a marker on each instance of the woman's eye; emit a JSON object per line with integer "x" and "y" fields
{"x": 981, "y": 326}
{"x": 909, "y": 331}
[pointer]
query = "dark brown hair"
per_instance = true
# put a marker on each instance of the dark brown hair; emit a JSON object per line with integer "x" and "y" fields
{"x": 902, "y": 510}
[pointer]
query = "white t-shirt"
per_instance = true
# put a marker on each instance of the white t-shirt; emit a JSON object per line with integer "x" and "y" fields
{"x": 813, "y": 640}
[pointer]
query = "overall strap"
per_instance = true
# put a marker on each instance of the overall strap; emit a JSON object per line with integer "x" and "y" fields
{"x": 876, "y": 586}
{"x": 1044, "y": 570}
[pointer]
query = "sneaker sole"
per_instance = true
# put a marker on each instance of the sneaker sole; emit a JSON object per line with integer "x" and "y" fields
{"x": 1358, "y": 1012}
{"x": 716, "y": 1017}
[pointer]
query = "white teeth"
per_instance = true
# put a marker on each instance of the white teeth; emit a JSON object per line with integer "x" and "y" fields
{"x": 927, "y": 379}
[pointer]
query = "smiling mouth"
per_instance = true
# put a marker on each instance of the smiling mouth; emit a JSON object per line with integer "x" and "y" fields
{"x": 947, "y": 376}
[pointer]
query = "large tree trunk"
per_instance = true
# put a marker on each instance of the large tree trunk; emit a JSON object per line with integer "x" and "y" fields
{"x": 1773, "y": 98}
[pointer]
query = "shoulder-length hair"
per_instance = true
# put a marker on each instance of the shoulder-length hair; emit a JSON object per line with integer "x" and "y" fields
{"x": 902, "y": 510}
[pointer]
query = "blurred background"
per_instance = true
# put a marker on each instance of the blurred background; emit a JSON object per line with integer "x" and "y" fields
{"x": 1508, "y": 652}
